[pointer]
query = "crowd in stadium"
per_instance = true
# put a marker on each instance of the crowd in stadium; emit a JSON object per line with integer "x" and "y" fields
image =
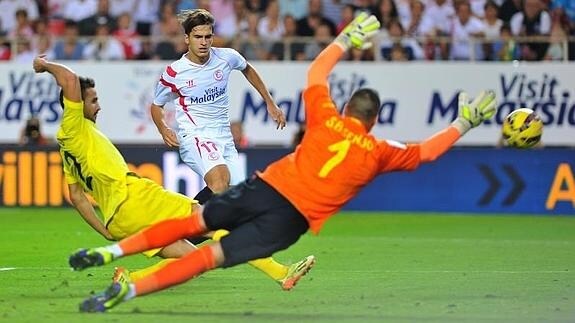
{"x": 494, "y": 30}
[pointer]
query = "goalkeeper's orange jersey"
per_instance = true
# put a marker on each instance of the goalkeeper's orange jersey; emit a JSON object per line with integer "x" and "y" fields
{"x": 336, "y": 158}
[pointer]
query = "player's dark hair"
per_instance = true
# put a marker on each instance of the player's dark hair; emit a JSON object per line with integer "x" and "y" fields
{"x": 364, "y": 104}
{"x": 85, "y": 83}
{"x": 196, "y": 17}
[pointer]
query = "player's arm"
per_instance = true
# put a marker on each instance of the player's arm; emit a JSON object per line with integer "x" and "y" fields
{"x": 470, "y": 116}
{"x": 167, "y": 133}
{"x": 164, "y": 93}
{"x": 86, "y": 210}
{"x": 65, "y": 77}
{"x": 256, "y": 81}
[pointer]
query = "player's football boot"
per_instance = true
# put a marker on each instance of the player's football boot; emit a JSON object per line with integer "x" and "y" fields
{"x": 85, "y": 258}
{"x": 104, "y": 301}
{"x": 296, "y": 272}
{"x": 121, "y": 275}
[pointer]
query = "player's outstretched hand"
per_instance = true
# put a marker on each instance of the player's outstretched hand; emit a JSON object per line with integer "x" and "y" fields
{"x": 170, "y": 138}
{"x": 472, "y": 114}
{"x": 39, "y": 63}
{"x": 358, "y": 32}
{"x": 277, "y": 115}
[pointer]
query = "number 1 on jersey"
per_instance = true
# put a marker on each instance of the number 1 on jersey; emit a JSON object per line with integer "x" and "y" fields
{"x": 340, "y": 148}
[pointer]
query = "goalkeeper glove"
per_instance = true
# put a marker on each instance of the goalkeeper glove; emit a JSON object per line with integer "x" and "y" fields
{"x": 473, "y": 114}
{"x": 357, "y": 33}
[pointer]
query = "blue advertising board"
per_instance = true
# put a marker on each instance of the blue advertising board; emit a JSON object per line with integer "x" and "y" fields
{"x": 476, "y": 180}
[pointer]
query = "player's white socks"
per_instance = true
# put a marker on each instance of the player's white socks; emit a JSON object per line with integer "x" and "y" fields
{"x": 115, "y": 250}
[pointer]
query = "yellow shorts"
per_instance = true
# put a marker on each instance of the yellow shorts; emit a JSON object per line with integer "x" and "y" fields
{"x": 147, "y": 203}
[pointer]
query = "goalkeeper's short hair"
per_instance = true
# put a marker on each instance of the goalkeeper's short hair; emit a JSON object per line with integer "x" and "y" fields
{"x": 364, "y": 104}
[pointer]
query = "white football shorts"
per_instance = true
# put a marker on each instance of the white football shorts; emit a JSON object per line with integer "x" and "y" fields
{"x": 204, "y": 150}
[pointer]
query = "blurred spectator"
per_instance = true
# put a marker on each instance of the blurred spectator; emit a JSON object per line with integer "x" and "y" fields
{"x": 120, "y": 7}
{"x": 78, "y": 10}
{"x": 508, "y": 8}
{"x": 295, "y": 46}
{"x": 438, "y": 16}
{"x": 145, "y": 15}
{"x": 69, "y": 47}
{"x": 103, "y": 47}
{"x": 360, "y": 55}
{"x": 398, "y": 53}
{"x": 221, "y": 8}
{"x": 258, "y": 6}
{"x": 24, "y": 53}
{"x": 568, "y": 7}
{"x": 506, "y": 48}
{"x": 8, "y": 9}
{"x": 307, "y": 25}
{"x": 251, "y": 46}
{"x": 23, "y": 27}
{"x": 294, "y": 8}
{"x": 5, "y": 53}
{"x": 321, "y": 39}
{"x": 43, "y": 45}
{"x": 271, "y": 26}
{"x": 386, "y": 11}
{"x": 395, "y": 36}
{"x": 331, "y": 9}
{"x": 532, "y": 21}
{"x": 240, "y": 139}
{"x": 56, "y": 9}
{"x": 31, "y": 134}
{"x": 347, "y": 15}
{"x": 102, "y": 16}
{"x": 477, "y": 8}
{"x": 232, "y": 25}
{"x": 127, "y": 35}
{"x": 492, "y": 29}
{"x": 560, "y": 27}
{"x": 168, "y": 24}
{"x": 147, "y": 51}
{"x": 465, "y": 28}
{"x": 417, "y": 25}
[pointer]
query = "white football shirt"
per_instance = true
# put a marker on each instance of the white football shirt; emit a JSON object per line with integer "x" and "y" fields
{"x": 200, "y": 92}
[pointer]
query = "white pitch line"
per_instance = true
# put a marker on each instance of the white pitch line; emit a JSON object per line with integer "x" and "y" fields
{"x": 7, "y": 268}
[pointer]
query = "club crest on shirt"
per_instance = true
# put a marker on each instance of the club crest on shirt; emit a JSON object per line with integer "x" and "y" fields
{"x": 213, "y": 156}
{"x": 218, "y": 75}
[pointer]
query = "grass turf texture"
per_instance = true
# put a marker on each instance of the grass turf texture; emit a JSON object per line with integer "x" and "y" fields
{"x": 371, "y": 267}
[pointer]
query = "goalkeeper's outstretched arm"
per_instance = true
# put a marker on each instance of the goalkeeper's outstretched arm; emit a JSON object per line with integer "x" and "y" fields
{"x": 470, "y": 115}
{"x": 65, "y": 77}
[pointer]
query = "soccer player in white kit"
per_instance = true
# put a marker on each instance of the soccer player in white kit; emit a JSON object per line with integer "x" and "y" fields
{"x": 197, "y": 83}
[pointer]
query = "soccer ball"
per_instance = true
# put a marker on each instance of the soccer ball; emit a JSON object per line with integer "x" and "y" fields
{"x": 522, "y": 128}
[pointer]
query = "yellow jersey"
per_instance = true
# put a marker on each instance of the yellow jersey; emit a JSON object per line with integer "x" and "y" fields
{"x": 90, "y": 158}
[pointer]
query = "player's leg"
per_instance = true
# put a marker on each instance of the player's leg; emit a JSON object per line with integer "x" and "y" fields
{"x": 147, "y": 203}
{"x": 257, "y": 197}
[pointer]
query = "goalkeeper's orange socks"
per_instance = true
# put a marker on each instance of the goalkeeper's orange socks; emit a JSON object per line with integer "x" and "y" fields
{"x": 177, "y": 272}
{"x": 159, "y": 235}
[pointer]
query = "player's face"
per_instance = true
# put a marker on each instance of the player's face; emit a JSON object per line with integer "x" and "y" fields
{"x": 91, "y": 105}
{"x": 199, "y": 43}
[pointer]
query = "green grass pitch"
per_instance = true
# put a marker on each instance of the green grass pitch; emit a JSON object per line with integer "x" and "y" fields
{"x": 371, "y": 268}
